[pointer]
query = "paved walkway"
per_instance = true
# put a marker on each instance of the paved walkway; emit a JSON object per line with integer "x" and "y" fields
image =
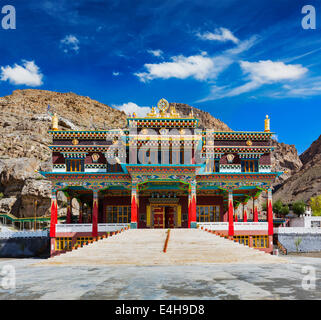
{"x": 207, "y": 281}
{"x": 145, "y": 248}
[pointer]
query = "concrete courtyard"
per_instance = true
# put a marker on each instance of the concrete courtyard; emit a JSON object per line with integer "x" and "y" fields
{"x": 207, "y": 281}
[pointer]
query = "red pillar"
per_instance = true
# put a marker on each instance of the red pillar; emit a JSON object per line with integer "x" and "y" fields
{"x": 53, "y": 214}
{"x": 193, "y": 212}
{"x": 244, "y": 216}
{"x": 189, "y": 211}
{"x": 134, "y": 208}
{"x": 255, "y": 213}
{"x": 270, "y": 213}
{"x": 230, "y": 214}
{"x": 192, "y": 220}
{"x": 95, "y": 214}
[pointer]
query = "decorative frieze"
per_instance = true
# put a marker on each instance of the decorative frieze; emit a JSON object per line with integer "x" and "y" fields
{"x": 265, "y": 168}
{"x": 59, "y": 167}
{"x": 95, "y": 166}
{"x": 230, "y": 168}
{"x": 250, "y": 155}
{"x": 74, "y": 155}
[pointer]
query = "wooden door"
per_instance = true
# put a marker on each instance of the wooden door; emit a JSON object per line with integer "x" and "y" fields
{"x": 158, "y": 217}
{"x": 169, "y": 217}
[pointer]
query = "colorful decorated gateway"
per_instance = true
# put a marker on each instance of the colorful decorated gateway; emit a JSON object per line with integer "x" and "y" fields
{"x": 162, "y": 171}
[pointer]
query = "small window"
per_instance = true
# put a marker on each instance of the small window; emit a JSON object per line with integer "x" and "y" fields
{"x": 249, "y": 165}
{"x": 74, "y": 165}
{"x": 208, "y": 213}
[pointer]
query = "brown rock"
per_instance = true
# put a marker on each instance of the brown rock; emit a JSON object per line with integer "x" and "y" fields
{"x": 306, "y": 182}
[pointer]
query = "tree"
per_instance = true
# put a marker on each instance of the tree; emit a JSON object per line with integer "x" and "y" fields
{"x": 263, "y": 206}
{"x": 316, "y": 205}
{"x": 285, "y": 210}
{"x": 298, "y": 207}
{"x": 277, "y": 207}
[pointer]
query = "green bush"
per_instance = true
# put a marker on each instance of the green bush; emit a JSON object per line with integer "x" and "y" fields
{"x": 277, "y": 207}
{"x": 298, "y": 207}
{"x": 285, "y": 210}
{"x": 316, "y": 205}
{"x": 1, "y": 195}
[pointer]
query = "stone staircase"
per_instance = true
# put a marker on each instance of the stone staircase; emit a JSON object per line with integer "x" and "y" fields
{"x": 144, "y": 247}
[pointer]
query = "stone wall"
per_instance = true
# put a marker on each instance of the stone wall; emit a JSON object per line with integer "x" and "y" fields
{"x": 311, "y": 242}
{"x": 25, "y": 247}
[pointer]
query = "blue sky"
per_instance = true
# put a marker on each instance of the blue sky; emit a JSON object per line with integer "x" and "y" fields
{"x": 238, "y": 60}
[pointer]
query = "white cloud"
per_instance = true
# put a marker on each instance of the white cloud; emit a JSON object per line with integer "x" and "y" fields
{"x": 156, "y": 53}
{"x": 243, "y": 46}
{"x": 220, "y": 34}
{"x": 131, "y": 107}
{"x": 69, "y": 43}
{"x": 268, "y": 71}
{"x": 198, "y": 66}
{"x": 116, "y": 73}
{"x": 28, "y": 74}
{"x": 309, "y": 87}
{"x": 258, "y": 74}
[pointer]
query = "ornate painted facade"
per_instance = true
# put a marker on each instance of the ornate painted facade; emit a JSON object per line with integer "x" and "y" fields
{"x": 162, "y": 171}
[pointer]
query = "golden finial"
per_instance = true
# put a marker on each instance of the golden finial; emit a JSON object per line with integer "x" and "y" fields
{"x": 152, "y": 114}
{"x": 134, "y": 115}
{"x": 173, "y": 112}
{"x": 163, "y": 105}
{"x": 55, "y": 122}
{"x": 267, "y": 124}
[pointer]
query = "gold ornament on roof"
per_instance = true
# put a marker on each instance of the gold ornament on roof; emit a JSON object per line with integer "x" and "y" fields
{"x": 249, "y": 142}
{"x": 55, "y": 122}
{"x": 152, "y": 114}
{"x": 162, "y": 105}
{"x": 191, "y": 114}
{"x": 173, "y": 112}
{"x": 75, "y": 141}
{"x": 267, "y": 124}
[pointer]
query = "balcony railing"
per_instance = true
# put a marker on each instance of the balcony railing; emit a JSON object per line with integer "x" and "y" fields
{"x": 87, "y": 227}
{"x": 238, "y": 226}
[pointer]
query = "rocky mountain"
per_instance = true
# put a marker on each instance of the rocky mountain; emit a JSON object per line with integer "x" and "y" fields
{"x": 285, "y": 159}
{"x": 306, "y": 182}
{"x": 24, "y": 142}
{"x": 206, "y": 120}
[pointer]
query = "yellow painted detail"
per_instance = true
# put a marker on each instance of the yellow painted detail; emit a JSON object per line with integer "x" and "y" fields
{"x": 148, "y": 216}
{"x": 179, "y": 216}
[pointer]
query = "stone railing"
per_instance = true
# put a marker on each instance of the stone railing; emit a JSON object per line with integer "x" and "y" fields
{"x": 296, "y": 230}
{"x": 23, "y": 234}
{"x": 87, "y": 227}
{"x": 248, "y": 226}
{"x": 256, "y": 226}
{"x": 109, "y": 227}
{"x": 219, "y": 226}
